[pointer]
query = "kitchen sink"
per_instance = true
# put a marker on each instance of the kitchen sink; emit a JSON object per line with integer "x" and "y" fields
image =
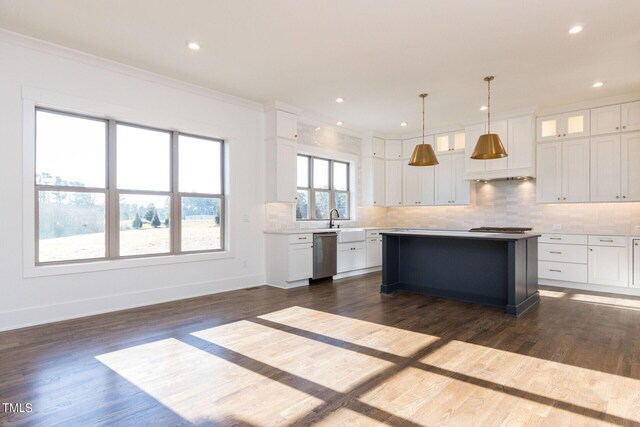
{"x": 351, "y": 235}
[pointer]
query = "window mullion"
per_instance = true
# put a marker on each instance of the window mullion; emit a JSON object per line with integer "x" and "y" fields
{"x": 175, "y": 221}
{"x": 112, "y": 194}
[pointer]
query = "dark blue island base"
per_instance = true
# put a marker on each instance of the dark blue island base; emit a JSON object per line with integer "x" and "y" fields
{"x": 486, "y": 268}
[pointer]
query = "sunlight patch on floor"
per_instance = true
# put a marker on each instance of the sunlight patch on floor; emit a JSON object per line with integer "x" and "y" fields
{"x": 551, "y": 294}
{"x": 608, "y": 301}
{"x": 391, "y": 340}
{"x": 201, "y": 387}
{"x": 330, "y": 366}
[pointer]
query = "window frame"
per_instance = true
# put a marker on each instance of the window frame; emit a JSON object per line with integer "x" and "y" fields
{"x": 331, "y": 190}
{"x": 112, "y": 193}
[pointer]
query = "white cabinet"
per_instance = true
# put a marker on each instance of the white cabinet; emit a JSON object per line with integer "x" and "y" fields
{"x": 636, "y": 263}
{"x": 300, "y": 261}
{"x": 562, "y": 126}
{"x": 563, "y": 172}
{"x": 605, "y": 120}
{"x": 501, "y": 129}
{"x": 549, "y": 174}
{"x": 418, "y": 185}
{"x": 575, "y": 170}
{"x": 605, "y": 168}
{"x": 450, "y": 186}
{"x": 377, "y": 146}
{"x": 378, "y": 182}
{"x": 521, "y": 148}
{"x": 351, "y": 256}
{"x": 450, "y": 141}
{"x": 393, "y": 182}
{"x": 630, "y": 113}
{"x": 393, "y": 149}
{"x": 608, "y": 265}
{"x": 374, "y": 251}
{"x": 281, "y": 170}
{"x": 281, "y": 124}
{"x": 630, "y": 171}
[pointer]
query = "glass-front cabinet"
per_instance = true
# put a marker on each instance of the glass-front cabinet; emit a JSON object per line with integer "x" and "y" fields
{"x": 562, "y": 126}
{"x": 450, "y": 141}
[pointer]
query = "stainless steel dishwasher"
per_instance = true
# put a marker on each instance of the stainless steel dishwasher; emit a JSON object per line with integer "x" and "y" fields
{"x": 325, "y": 250}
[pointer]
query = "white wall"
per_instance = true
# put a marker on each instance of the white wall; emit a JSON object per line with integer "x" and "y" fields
{"x": 93, "y": 84}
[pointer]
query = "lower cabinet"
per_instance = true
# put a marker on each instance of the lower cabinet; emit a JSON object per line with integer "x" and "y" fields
{"x": 351, "y": 256}
{"x": 608, "y": 265}
{"x": 374, "y": 252}
{"x": 300, "y": 261}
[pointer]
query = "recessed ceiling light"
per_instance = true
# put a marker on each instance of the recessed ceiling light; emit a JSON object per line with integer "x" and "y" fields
{"x": 318, "y": 128}
{"x": 598, "y": 84}
{"x": 575, "y": 29}
{"x": 403, "y": 124}
{"x": 483, "y": 108}
{"x": 339, "y": 123}
{"x": 193, "y": 46}
{"x": 339, "y": 100}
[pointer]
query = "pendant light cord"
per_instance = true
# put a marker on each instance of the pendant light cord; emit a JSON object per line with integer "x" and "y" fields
{"x": 488, "y": 105}
{"x": 423, "y": 120}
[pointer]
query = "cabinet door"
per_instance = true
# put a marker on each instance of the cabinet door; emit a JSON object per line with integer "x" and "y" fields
{"x": 345, "y": 261}
{"x": 393, "y": 149}
{"x": 378, "y": 182}
{"x": 636, "y": 263}
{"x": 631, "y": 116}
{"x": 575, "y": 171}
{"x": 575, "y": 124}
{"x": 300, "y": 261}
{"x": 472, "y": 133}
{"x": 501, "y": 129}
{"x": 374, "y": 252}
{"x": 443, "y": 142}
{"x": 427, "y": 186}
{"x": 411, "y": 187}
{"x": 359, "y": 257}
{"x": 459, "y": 140}
{"x": 520, "y": 139}
{"x": 608, "y": 265}
{"x": 377, "y": 146}
{"x": 286, "y": 125}
{"x": 548, "y": 128}
{"x": 630, "y": 172}
{"x": 605, "y": 168}
{"x": 443, "y": 186}
{"x": 393, "y": 182}
{"x": 605, "y": 120}
{"x": 461, "y": 187}
{"x": 286, "y": 161}
{"x": 549, "y": 172}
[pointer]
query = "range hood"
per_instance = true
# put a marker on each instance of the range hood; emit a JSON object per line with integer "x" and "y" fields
{"x": 510, "y": 178}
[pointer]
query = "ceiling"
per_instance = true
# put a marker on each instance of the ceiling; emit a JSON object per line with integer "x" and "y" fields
{"x": 376, "y": 54}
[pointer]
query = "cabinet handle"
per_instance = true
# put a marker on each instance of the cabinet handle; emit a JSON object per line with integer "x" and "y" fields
{"x": 624, "y": 127}
{"x": 295, "y": 136}
{"x": 559, "y": 136}
{"x": 302, "y": 238}
{"x": 591, "y": 250}
{"x": 555, "y": 238}
{"x": 624, "y": 197}
{"x": 564, "y": 134}
{"x": 555, "y": 271}
{"x": 606, "y": 240}
{"x": 617, "y": 197}
{"x": 564, "y": 198}
{"x": 617, "y": 127}
{"x": 555, "y": 252}
{"x": 558, "y": 198}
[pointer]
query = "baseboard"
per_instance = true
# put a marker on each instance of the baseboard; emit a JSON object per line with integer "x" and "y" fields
{"x": 39, "y": 315}
{"x": 589, "y": 287}
{"x": 291, "y": 285}
{"x": 357, "y": 272}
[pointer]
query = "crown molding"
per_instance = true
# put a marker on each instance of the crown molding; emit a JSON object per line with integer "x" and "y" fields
{"x": 600, "y": 102}
{"x": 127, "y": 70}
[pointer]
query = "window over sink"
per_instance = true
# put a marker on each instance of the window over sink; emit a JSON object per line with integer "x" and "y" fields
{"x": 323, "y": 185}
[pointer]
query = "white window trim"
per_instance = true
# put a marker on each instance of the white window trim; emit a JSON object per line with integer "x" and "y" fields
{"x": 352, "y": 160}
{"x": 33, "y": 98}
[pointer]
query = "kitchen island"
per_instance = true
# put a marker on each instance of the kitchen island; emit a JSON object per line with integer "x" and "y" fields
{"x": 496, "y": 269}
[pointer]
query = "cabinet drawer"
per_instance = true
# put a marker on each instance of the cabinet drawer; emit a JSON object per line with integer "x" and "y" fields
{"x": 608, "y": 241}
{"x": 562, "y": 253}
{"x": 373, "y": 233}
{"x": 567, "y": 239}
{"x": 350, "y": 246}
{"x": 300, "y": 238}
{"x": 562, "y": 271}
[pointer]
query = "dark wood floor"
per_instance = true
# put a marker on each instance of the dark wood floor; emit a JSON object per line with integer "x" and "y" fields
{"x": 334, "y": 353}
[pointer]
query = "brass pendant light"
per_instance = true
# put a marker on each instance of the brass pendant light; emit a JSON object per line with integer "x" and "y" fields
{"x": 489, "y": 145}
{"x": 423, "y": 154}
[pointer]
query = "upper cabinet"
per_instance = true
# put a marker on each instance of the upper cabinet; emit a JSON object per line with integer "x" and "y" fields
{"x": 615, "y": 176}
{"x": 281, "y": 134}
{"x": 450, "y": 141}
{"x": 281, "y": 124}
{"x": 451, "y": 188}
{"x": 393, "y": 182}
{"x": 517, "y": 137}
{"x": 562, "y": 126}
{"x": 563, "y": 172}
{"x": 377, "y": 146}
{"x": 615, "y": 118}
{"x": 393, "y": 149}
{"x": 630, "y": 116}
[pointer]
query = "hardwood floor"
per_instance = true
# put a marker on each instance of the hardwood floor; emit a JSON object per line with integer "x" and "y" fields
{"x": 332, "y": 354}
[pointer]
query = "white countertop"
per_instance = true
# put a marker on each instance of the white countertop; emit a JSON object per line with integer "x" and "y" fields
{"x": 322, "y": 230}
{"x": 462, "y": 234}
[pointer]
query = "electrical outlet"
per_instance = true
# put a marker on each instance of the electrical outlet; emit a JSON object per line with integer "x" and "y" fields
{"x": 557, "y": 226}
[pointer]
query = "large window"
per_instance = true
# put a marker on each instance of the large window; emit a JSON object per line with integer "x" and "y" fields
{"x": 323, "y": 185}
{"x": 107, "y": 190}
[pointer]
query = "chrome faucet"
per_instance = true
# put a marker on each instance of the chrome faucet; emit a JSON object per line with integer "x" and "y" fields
{"x": 331, "y": 217}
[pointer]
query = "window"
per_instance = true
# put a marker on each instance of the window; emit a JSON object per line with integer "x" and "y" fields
{"x": 323, "y": 185}
{"x": 108, "y": 190}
